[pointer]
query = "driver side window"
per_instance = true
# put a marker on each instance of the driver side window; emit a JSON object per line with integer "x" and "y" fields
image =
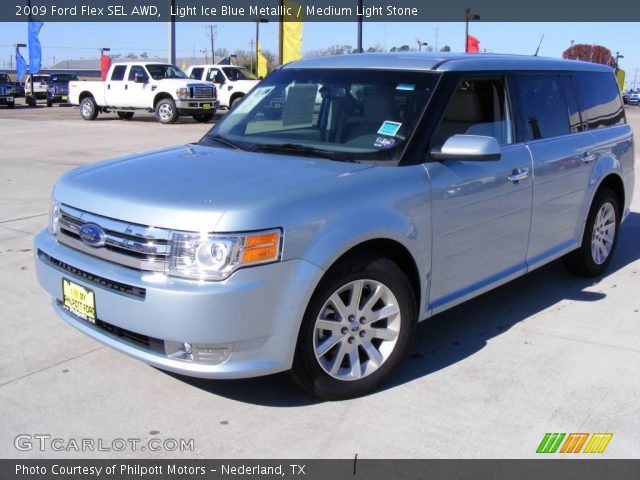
{"x": 139, "y": 71}
{"x": 478, "y": 107}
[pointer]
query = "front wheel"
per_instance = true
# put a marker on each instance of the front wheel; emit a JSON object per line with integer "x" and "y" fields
{"x": 166, "y": 111}
{"x": 599, "y": 239}
{"x": 203, "y": 117}
{"x": 356, "y": 329}
{"x": 88, "y": 108}
{"x": 11, "y": 104}
{"x": 125, "y": 115}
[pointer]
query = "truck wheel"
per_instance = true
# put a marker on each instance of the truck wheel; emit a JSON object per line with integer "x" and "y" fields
{"x": 31, "y": 101}
{"x": 125, "y": 115}
{"x": 356, "y": 329}
{"x": 166, "y": 111}
{"x": 88, "y": 108}
{"x": 11, "y": 104}
{"x": 234, "y": 101}
{"x": 203, "y": 118}
{"x": 49, "y": 103}
{"x": 599, "y": 239}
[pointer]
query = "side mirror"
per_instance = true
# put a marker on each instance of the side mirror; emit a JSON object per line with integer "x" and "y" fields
{"x": 137, "y": 78}
{"x": 470, "y": 148}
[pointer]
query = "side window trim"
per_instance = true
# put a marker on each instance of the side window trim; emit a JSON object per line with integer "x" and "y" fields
{"x": 569, "y": 83}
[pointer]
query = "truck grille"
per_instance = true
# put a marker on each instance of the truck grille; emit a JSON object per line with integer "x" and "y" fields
{"x": 202, "y": 92}
{"x": 131, "y": 245}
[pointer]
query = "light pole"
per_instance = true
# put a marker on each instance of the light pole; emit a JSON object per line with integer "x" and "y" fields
{"x": 213, "y": 31}
{"x": 359, "y": 47}
{"x": 468, "y": 17}
{"x": 259, "y": 20}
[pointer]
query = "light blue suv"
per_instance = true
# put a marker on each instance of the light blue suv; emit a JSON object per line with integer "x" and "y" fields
{"x": 340, "y": 202}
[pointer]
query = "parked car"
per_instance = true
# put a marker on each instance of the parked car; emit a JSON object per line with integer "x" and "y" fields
{"x": 7, "y": 92}
{"x": 315, "y": 242}
{"x": 625, "y": 98}
{"x": 151, "y": 86}
{"x": 634, "y": 98}
{"x": 233, "y": 82}
{"x": 37, "y": 90}
{"x": 58, "y": 91}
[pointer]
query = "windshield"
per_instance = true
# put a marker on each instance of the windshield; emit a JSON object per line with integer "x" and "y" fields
{"x": 63, "y": 77}
{"x": 158, "y": 72}
{"x": 236, "y": 73}
{"x": 349, "y": 115}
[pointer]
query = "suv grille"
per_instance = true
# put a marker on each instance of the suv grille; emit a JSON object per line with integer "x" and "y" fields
{"x": 202, "y": 92}
{"x": 132, "y": 245}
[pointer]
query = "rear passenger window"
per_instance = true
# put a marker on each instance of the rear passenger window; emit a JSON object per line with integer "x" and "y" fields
{"x": 118, "y": 73}
{"x": 543, "y": 106}
{"x": 479, "y": 107}
{"x": 600, "y": 99}
{"x": 196, "y": 73}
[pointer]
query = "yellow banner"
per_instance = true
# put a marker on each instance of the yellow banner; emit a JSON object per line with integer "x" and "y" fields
{"x": 262, "y": 64}
{"x": 291, "y": 33}
{"x": 620, "y": 74}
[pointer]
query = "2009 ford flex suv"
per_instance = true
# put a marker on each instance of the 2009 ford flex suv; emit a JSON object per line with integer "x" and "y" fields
{"x": 311, "y": 234}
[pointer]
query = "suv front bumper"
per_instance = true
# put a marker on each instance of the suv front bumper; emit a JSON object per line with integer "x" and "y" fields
{"x": 250, "y": 321}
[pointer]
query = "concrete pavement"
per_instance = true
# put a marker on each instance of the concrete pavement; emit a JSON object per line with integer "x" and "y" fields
{"x": 546, "y": 353}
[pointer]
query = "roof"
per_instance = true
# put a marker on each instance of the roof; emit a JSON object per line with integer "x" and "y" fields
{"x": 444, "y": 62}
{"x": 217, "y": 65}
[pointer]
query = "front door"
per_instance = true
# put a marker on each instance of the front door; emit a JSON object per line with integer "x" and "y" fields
{"x": 481, "y": 210}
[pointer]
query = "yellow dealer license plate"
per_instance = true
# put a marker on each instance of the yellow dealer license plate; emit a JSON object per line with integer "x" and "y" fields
{"x": 79, "y": 300}
{"x": 65, "y": 98}
{"x": 206, "y": 106}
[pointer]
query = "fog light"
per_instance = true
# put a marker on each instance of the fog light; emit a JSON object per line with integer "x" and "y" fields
{"x": 198, "y": 353}
{"x": 187, "y": 348}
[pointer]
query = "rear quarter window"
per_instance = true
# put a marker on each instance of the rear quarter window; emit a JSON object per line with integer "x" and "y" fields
{"x": 600, "y": 99}
{"x": 543, "y": 106}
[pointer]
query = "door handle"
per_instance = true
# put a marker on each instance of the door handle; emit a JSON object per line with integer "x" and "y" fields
{"x": 108, "y": 86}
{"x": 126, "y": 87}
{"x": 588, "y": 157}
{"x": 518, "y": 174}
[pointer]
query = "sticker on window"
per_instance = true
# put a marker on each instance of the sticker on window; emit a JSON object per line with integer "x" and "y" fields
{"x": 406, "y": 86}
{"x": 383, "y": 142}
{"x": 389, "y": 128}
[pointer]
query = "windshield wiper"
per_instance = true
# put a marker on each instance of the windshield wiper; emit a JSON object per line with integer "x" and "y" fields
{"x": 296, "y": 149}
{"x": 224, "y": 141}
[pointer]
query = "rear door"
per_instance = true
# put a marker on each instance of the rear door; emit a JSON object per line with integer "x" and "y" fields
{"x": 562, "y": 151}
{"x": 481, "y": 210}
{"x": 114, "y": 88}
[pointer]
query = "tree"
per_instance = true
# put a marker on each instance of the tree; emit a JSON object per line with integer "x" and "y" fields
{"x": 131, "y": 56}
{"x": 590, "y": 53}
{"x": 446, "y": 48}
{"x": 144, "y": 55}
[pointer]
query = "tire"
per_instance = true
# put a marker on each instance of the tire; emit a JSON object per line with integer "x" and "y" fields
{"x": 125, "y": 115}
{"x": 350, "y": 367}
{"x": 88, "y": 108}
{"x": 234, "y": 101}
{"x": 11, "y": 104}
{"x": 203, "y": 117}
{"x": 166, "y": 111}
{"x": 599, "y": 239}
{"x": 49, "y": 103}
{"x": 31, "y": 101}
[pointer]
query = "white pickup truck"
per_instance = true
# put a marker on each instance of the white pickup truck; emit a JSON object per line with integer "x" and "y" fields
{"x": 154, "y": 87}
{"x": 233, "y": 82}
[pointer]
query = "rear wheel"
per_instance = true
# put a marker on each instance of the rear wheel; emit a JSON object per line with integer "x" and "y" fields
{"x": 235, "y": 100}
{"x": 88, "y": 108}
{"x": 599, "y": 239}
{"x": 11, "y": 104}
{"x": 49, "y": 103}
{"x": 31, "y": 101}
{"x": 356, "y": 329}
{"x": 203, "y": 118}
{"x": 166, "y": 111}
{"x": 125, "y": 115}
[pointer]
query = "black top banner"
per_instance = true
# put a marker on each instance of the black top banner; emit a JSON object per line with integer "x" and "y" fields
{"x": 319, "y": 10}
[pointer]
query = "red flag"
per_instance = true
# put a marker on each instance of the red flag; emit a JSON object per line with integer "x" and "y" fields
{"x": 473, "y": 44}
{"x": 105, "y": 65}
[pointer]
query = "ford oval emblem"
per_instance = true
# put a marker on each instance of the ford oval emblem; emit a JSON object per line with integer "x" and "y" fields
{"x": 92, "y": 235}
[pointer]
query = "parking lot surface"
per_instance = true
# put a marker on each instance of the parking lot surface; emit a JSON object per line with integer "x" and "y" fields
{"x": 547, "y": 353}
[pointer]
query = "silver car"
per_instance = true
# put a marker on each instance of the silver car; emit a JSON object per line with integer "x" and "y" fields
{"x": 339, "y": 203}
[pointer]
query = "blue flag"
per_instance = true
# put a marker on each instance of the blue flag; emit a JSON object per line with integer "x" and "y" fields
{"x": 35, "y": 50}
{"x": 21, "y": 67}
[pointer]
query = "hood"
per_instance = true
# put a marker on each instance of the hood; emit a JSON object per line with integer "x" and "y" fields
{"x": 189, "y": 187}
{"x": 183, "y": 82}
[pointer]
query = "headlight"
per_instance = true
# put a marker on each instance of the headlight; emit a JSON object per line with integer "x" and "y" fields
{"x": 205, "y": 256}
{"x": 182, "y": 93}
{"x": 54, "y": 217}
